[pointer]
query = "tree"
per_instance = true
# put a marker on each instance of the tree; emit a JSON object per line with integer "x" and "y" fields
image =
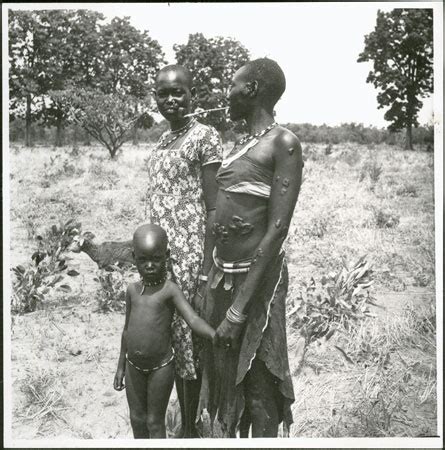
{"x": 26, "y": 67}
{"x": 109, "y": 118}
{"x": 49, "y": 50}
{"x": 72, "y": 50}
{"x": 129, "y": 59}
{"x": 213, "y": 63}
{"x": 57, "y": 50}
{"x": 401, "y": 48}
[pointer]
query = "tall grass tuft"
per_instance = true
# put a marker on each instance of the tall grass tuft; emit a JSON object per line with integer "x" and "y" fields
{"x": 43, "y": 397}
{"x": 371, "y": 170}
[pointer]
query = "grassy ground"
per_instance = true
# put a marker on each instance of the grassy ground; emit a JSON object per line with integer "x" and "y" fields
{"x": 354, "y": 201}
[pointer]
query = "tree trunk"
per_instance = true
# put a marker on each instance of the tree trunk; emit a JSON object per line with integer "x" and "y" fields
{"x": 59, "y": 129}
{"x": 409, "y": 138}
{"x": 411, "y": 97}
{"x": 28, "y": 142}
{"x": 75, "y": 138}
{"x": 135, "y": 130}
{"x": 87, "y": 138}
{"x": 113, "y": 151}
{"x": 135, "y": 136}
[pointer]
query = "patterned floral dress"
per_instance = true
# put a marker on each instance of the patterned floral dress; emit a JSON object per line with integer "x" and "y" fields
{"x": 175, "y": 202}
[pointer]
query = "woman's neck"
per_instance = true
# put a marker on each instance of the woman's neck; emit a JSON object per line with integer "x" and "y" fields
{"x": 259, "y": 120}
{"x": 180, "y": 123}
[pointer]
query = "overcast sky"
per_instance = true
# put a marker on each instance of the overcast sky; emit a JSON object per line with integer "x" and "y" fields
{"x": 316, "y": 45}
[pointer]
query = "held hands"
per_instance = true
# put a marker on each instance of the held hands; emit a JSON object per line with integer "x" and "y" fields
{"x": 119, "y": 380}
{"x": 227, "y": 334}
{"x": 198, "y": 299}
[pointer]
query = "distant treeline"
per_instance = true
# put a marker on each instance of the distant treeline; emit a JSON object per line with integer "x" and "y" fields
{"x": 358, "y": 133}
{"x": 346, "y": 132}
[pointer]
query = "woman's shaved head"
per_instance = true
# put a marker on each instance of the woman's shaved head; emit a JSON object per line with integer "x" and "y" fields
{"x": 270, "y": 78}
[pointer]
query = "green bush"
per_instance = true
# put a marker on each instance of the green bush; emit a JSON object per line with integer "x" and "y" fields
{"x": 111, "y": 294}
{"x": 34, "y": 282}
{"x": 339, "y": 301}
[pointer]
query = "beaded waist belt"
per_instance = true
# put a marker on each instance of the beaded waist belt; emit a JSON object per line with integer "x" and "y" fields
{"x": 240, "y": 266}
{"x": 172, "y": 357}
{"x": 227, "y": 269}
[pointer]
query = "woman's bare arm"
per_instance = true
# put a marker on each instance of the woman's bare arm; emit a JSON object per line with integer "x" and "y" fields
{"x": 210, "y": 190}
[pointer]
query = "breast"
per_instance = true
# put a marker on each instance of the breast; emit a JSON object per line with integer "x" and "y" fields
{"x": 245, "y": 176}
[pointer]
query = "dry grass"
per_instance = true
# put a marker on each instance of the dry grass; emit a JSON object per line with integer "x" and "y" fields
{"x": 334, "y": 219}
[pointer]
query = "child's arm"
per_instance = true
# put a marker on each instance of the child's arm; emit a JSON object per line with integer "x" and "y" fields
{"x": 198, "y": 325}
{"x": 120, "y": 372}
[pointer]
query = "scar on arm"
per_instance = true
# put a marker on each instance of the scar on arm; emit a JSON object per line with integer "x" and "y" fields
{"x": 291, "y": 150}
{"x": 278, "y": 223}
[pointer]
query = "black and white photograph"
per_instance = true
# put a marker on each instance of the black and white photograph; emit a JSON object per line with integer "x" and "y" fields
{"x": 223, "y": 224}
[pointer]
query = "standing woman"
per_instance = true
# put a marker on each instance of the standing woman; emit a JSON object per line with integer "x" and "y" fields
{"x": 246, "y": 378}
{"x": 181, "y": 199}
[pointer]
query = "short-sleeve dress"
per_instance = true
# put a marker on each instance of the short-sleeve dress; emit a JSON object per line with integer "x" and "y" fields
{"x": 175, "y": 202}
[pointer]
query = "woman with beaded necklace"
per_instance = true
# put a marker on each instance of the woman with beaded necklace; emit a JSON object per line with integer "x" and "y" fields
{"x": 246, "y": 379}
{"x": 181, "y": 199}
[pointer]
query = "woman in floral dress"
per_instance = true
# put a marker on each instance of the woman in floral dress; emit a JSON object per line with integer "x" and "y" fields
{"x": 181, "y": 199}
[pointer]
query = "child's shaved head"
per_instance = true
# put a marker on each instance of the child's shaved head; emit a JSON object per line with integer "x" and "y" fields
{"x": 149, "y": 236}
{"x": 178, "y": 71}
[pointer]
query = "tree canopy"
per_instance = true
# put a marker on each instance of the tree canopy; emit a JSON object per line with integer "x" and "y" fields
{"x": 401, "y": 48}
{"x": 51, "y": 51}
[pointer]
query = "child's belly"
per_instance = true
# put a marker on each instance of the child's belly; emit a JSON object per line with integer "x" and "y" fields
{"x": 149, "y": 338}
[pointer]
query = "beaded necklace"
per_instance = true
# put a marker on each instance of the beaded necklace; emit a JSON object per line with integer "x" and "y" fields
{"x": 153, "y": 283}
{"x": 261, "y": 133}
{"x": 176, "y": 134}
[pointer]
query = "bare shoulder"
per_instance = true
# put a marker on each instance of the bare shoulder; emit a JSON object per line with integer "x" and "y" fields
{"x": 171, "y": 287}
{"x": 134, "y": 287}
{"x": 286, "y": 141}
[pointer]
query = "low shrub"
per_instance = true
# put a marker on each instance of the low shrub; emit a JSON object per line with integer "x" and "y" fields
{"x": 58, "y": 168}
{"x": 371, "y": 170}
{"x": 113, "y": 286}
{"x": 339, "y": 301}
{"x": 34, "y": 282}
{"x": 385, "y": 219}
{"x": 407, "y": 190}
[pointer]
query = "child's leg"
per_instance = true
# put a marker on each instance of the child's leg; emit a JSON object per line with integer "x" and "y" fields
{"x": 136, "y": 390}
{"x": 159, "y": 388}
{"x": 179, "y": 383}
